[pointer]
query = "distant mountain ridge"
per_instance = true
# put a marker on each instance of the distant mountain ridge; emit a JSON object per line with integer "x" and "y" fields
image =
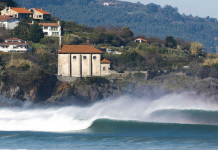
{"x": 150, "y": 20}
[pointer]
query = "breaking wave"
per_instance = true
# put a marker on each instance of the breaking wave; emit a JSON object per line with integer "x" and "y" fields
{"x": 124, "y": 111}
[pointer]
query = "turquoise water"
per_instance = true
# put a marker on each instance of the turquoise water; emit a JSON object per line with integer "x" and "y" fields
{"x": 170, "y": 122}
{"x": 109, "y": 134}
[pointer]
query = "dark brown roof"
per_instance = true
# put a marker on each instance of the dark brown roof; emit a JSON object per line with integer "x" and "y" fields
{"x": 79, "y": 49}
{"x": 42, "y": 11}
{"x": 105, "y": 61}
{"x": 21, "y": 10}
{"x": 13, "y": 39}
{"x": 14, "y": 43}
{"x": 6, "y": 18}
{"x": 47, "y": 24}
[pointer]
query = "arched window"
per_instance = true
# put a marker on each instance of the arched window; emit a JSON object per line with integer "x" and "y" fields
{"x": 94, "y": 57}
{"x": 104, "y": 69}
{"x": 74, "y": 57}
{"x": 84, "y": 57}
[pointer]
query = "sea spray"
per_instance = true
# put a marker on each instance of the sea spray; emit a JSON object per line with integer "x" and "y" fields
{"x": 174, "y": 108}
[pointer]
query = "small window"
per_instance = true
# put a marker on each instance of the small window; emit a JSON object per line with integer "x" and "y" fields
{"x": 104, "y": 68}
{"x": 84, "y": 57}
{"x": 40, "y": 16}
{"x": 94, "y": 57}
{"x": 74, "y": 57}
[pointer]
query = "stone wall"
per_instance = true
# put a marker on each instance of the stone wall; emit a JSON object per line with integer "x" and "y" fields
{"x": 105, "y": 69}
{"x": 75, "y": 65}
{"x": 64, "y": 64}
{"x": 86, "y": 65}
{"x": 96, "y": 64}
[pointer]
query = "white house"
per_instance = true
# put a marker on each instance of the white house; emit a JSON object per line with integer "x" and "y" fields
{"x": 14, "y": 45}
{"x": 140, "y": 40}
{"x": 50, "y": 29}
{"x": 82, "y": 61}
{"x": 108, "y": 4}
{"x": 8, "y": 22}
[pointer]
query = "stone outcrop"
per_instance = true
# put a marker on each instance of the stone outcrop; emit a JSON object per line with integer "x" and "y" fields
{"x": 54, "y": 92}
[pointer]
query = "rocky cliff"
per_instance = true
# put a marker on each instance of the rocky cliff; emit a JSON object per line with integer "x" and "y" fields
{"x": 83, "y": 92}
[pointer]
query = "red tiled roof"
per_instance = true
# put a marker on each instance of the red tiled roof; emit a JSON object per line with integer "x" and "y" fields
{"x": 42, "y": 11}
{"x": 47, "y": 24}
{"x": 105, "y": 61}
{"x": 79, "y": 49}
{"x": 142, "y": 39}
{"x": 14, "y": 43}
{"x": 21, "y": 10}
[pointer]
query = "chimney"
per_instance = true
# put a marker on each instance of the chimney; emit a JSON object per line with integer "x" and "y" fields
{"x": 41, "y": 8}
{"x": 24, "y": 7}
{"x": 58, "y": 22}
{"x": 60, "y": 43}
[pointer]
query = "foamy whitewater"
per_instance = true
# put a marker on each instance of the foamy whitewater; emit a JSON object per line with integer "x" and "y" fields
{"x": 168, "y": 109}
{"x": 171, "y": 122}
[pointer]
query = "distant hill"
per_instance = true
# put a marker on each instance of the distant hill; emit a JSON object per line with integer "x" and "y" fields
{"x": 150, "y": 20}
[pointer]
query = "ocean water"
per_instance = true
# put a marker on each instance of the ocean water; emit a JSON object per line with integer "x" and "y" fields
{"x": 170, "y": 122}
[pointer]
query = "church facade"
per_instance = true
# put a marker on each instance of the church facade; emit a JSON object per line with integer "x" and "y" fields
{"x": 82, "y": 61}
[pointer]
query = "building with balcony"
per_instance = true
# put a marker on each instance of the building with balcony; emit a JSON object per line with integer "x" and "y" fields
{"x": 40, "y": 14}
{"x": 16, "y": 12}
{"x": 8, "y": 22}
{"x": 50, "y": 29}
{"x": 14, "y": 45}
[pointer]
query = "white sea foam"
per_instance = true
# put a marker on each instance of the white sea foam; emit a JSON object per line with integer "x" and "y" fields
{"x": 74, "y": 118}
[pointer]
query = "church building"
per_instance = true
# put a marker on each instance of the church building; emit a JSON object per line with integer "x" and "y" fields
{"x": 82, "y": 61}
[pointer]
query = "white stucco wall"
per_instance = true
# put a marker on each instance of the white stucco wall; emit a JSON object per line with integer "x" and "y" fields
{"x": 96, "y": 65}
{"x": 13, "y": 23}
{"x": 49, "y": 30}
{"x": 14, "y": 48}
{"x": 106, "y": 71}
{"x": 64, "y": 64}
{"x": 86, "y": 65}
{"x": 76, "y": 65}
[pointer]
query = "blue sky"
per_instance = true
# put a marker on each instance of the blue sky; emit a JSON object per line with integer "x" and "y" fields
{"x": 201, "y": 8}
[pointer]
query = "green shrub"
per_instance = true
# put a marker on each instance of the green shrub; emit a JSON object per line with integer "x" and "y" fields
{"x": 25, "y": 67}
{"x": 139, "y": 76}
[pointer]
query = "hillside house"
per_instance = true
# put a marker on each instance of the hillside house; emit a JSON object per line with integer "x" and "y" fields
{"x": 14, "y": 45}
{"x": 50, "y": 29}
{"x": 108, "y": 4}
{"x": 16, "y": 12}
{"x": 140, "y": 40}
{"x": 82, "y": 61}
{"x": 8, "y": 22}
{"x": 40, "y": 14}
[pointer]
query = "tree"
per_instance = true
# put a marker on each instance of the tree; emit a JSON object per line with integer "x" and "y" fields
{"x": 126, "y": 33}
{"x": 35, "y": 33}
{"x": 8, "y": 3}
{"x": 21, "y": 31}
{"x": 196, "y": 48}
{"x": 170, "y": 42}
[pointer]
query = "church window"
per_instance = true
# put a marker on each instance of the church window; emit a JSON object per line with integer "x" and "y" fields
{"x": 94, "y": 57}
{"x": 84, "y": 57}
{"x": 74, "y": 57}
